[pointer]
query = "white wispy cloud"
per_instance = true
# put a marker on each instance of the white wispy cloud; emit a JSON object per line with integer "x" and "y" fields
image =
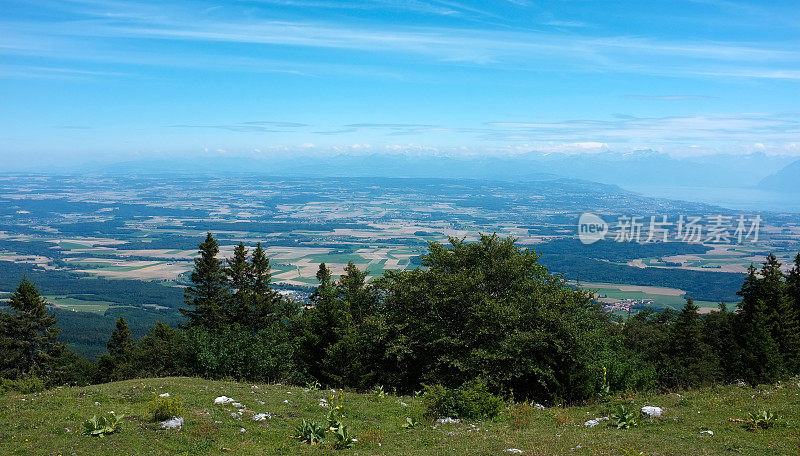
{"x": 745, "y": 127}
{"x": 496, "y": 48}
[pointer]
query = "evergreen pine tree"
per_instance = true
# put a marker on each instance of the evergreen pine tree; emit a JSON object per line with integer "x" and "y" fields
{"x": 325, "y": 287}
{"x": 121, "y": 346}
{"x": 120, "y": 362}
{"x": 206, "y": 297}
{"x": 793, "y": 285}
{"x": 762, "y": 357}
{"x": 266, "y": 301}
{"x": 720, "y": 334}
{"x": 321, "y": 325}
{"x": 260, "y": 272}
{"x": 239, "y": 278}
{"x": 692, "y": 359}
{"x": 351, "y": 289}
{"x": 28, "y": 335}
{"x": 748, "y": 292}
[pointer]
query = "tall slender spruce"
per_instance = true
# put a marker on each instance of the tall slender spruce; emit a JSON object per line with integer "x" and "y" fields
{"x": 206, "y": 297}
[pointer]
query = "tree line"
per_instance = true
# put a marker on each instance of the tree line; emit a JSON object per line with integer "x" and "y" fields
{"x": 485, "y": 310}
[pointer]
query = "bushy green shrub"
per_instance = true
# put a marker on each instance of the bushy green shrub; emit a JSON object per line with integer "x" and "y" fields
{"x": 471, "y": 401}
{"x": 309, "y": 432}
{"x": 164, "y": 408}
{"x": 763, "y": 419}
{"x": 624, "y": 418}
{"x": 23, "y": 385}
{"x": 100, "y": 426}
{"x": 262, "y": 356}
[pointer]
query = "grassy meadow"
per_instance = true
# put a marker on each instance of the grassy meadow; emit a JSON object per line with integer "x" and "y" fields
{"x": 51, "y": 422}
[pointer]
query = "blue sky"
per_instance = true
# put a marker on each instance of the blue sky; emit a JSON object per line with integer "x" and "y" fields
{"x": 113, "y": 80}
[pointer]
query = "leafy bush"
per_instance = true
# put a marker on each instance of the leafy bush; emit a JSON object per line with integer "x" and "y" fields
{"x": 164, "y": 408}
{"x": 472, "y": 401}
{"x": 309, "y": 432}
{"x": 23, "y": 385}
{"x": 262, "y": 356}
{"x": 764, "y": 419}
{"x": 378, "y": 392}
{"x": 410, "y": 423}
{"x": 624, "y": 418}
{"x": 100, "y": 426}
{"x": 341, "y": 434}
{"x": 312, "y": 433}
{"x": 342, "y": 438}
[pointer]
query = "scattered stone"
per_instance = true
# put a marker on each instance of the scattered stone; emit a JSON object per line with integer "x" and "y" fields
{"x": 595, "y": 422}
{"x": 538, "y": 406}
{"x": 651, "y": 411}
{"x": 740, "y": 383}
{"x": 448, "y": 420}
{"x": 243, "y": 430}
{"x": 173, "y": 423}
{"x": 223, "y": 400}
{"x": 706, "y": 433}
{"x": 513, "y": 450}
{"x": 403, "y": 404}
{"x": 261, "y": 416}
{"x": 286, "y": 401}
{"x": 96, "y": 403}
{"x": 163, "y": 395}
{"x": 238, "y": 405}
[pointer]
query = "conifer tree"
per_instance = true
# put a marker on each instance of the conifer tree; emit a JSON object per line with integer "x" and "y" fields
{"x": 121, "y": 345}
{"x": 720, "y": 334}
{"x": 260, "y": 272}
{"x": 239, "y": 278}
{"x": 786, "y": 331}
{"x": 206, "y": 297}
{"x": 265, "y": 300}
{"x": 351, "y": 289}
{"x": 691, "y": 358}
{"x": 29, "y": 336}
{"x": 238, "y": 271}
{"x": 793, "y": 284}
{"x": 321, "y": 325}
{"x": 762, "y": 358}
{"x": 120, "y": 362}
{"x": 325, "y": 287}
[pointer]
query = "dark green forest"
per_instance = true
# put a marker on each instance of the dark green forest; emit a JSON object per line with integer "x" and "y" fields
{"x": 485, "y": 315}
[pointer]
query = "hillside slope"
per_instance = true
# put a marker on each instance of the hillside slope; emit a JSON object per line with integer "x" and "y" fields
{"x": 785, "y": 180}
{"x": 51, "y": 422}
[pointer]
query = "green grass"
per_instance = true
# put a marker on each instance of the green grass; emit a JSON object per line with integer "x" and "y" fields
{"x": 80, "y": 304}
{"x": 66, "y": 245}
{"x": 659, "y": 301}
{"x": 49, "y": 423}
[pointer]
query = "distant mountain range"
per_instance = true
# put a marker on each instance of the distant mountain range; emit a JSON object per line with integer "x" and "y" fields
{"x": 643, "y": 167}
{"x": 785, "y": 180}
